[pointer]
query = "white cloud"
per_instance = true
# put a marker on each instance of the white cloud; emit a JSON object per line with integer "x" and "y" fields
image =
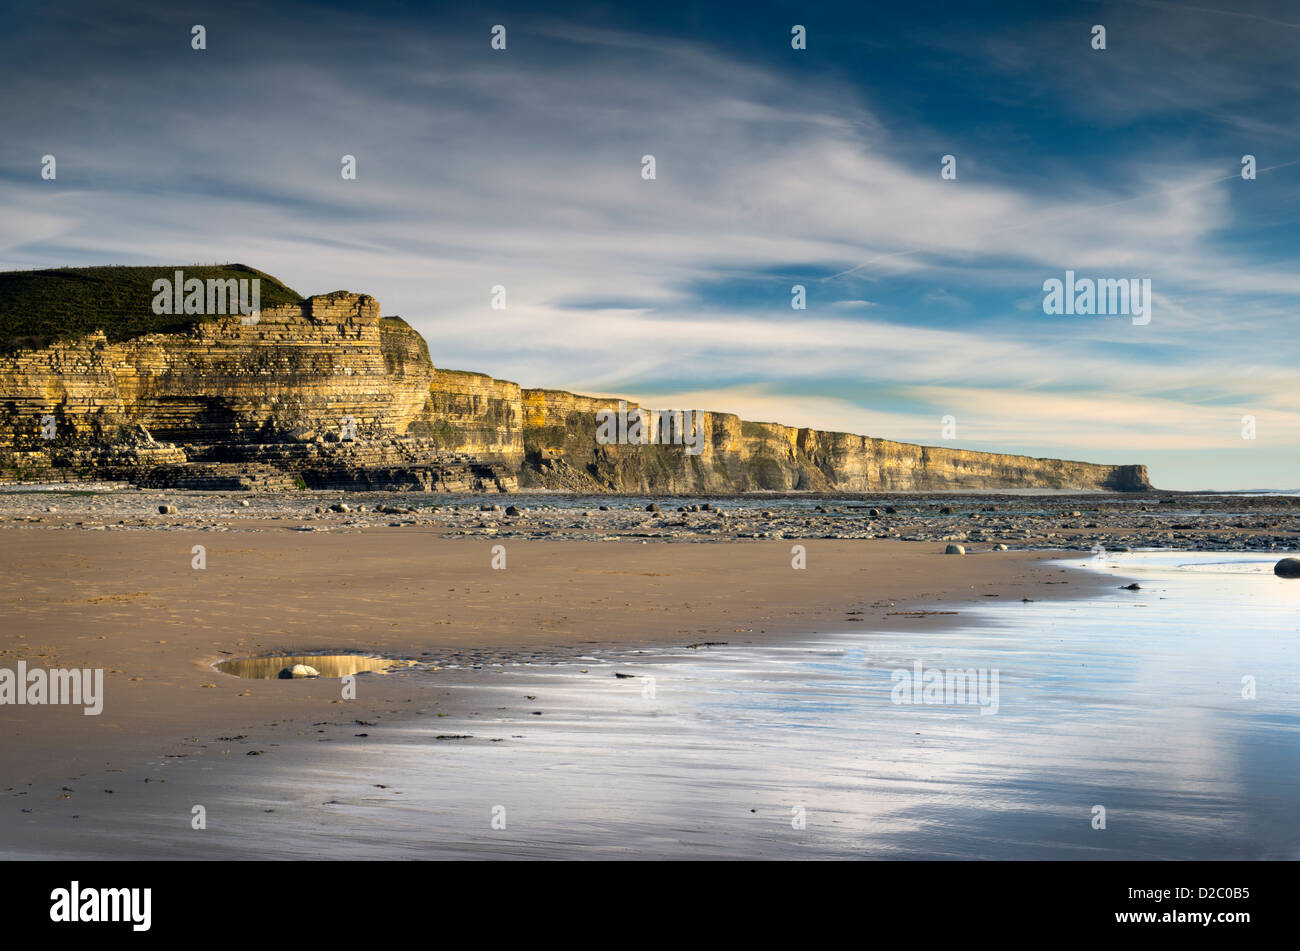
{"x": 476, "y": 171}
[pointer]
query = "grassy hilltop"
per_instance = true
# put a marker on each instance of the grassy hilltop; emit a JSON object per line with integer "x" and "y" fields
{"x": 40, "y": 307}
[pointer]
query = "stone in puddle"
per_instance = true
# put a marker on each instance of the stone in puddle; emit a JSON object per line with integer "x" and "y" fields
{"x": 298, "y": 671}
{"x": 1287, "y": 568}
{"x": 954, "y": 550}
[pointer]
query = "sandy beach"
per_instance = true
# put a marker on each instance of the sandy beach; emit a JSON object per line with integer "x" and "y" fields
{"x": 646, "y": 700}
{"x": 513, "y": 629}
{"x": 133, "y": 604}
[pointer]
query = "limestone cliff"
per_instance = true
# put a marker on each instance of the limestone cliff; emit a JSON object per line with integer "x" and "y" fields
{"x": 326, "y": 392}
{"x": 740, "y": 456}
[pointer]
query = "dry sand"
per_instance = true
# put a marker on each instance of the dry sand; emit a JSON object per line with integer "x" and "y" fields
{"x": 131, "y": 603}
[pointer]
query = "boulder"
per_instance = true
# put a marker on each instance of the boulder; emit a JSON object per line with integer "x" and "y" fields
{"x": 1287, "y": 568}
{"x": 954, "y": 550}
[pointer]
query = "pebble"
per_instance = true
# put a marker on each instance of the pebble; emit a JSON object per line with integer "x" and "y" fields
{"x": 298, "y": 671}
{"x": 1115, "y": 522}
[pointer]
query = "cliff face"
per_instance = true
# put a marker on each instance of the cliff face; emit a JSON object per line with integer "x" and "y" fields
{"x": 740, "y": 456}
{"x": 301, "y": 367}
{"x": 473, "y": 413}
{"x": 333, "y": 393}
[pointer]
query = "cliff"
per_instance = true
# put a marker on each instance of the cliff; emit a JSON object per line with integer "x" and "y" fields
{"x": 740, "y": 456}
{"x": 324, "y": 392}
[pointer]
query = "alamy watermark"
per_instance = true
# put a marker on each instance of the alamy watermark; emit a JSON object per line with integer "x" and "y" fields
{"x": 1098, "y": 298}
{"x": 642, "y": 427}
{"x": 75, "y": 904}
{"x": 215, "y": 296}
{"x": 952, "y": 686}
{"x": 59, "y": 685}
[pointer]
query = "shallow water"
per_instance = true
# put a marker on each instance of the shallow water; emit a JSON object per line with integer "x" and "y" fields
{"x": 1132, "y": 701}
{"x": 326, "y": 665}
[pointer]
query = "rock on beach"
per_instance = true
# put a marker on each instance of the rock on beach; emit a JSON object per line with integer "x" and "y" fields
{"x": 1287, "y": 568}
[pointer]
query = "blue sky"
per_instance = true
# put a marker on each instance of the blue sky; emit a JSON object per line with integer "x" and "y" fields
{"x": 775, "y": 167}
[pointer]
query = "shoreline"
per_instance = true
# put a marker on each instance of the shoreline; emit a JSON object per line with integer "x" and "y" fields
{"x": 1024, "y": 521}
{"x": 131, "y": 603}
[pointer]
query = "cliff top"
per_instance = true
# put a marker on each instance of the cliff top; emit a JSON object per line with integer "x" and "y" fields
{"x": 38, "y": 308}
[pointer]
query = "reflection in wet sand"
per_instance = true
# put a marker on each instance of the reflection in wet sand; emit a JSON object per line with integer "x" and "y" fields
{"x": 1161, "y": 723}
{"x": 326, "y": 665}
{"x": 1133, "y": 701}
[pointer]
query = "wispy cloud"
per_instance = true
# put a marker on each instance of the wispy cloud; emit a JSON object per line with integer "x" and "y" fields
{"x": 523, "y": 169}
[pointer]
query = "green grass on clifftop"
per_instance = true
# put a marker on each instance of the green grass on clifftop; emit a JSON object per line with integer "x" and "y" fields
{"x": 40, "y": 307}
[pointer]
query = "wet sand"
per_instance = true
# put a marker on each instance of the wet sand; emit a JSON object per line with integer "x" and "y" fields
{"x": 132, "y": 604}
{"x": 780, "y": 748}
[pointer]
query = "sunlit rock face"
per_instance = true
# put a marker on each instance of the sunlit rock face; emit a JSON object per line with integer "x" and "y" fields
{"x": 297, "y": 372}
{"x": 327, "y": 393}
{"x": 736, "y": 455}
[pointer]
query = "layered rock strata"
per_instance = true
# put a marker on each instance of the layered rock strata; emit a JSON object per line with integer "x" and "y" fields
{"x": 327, "y": 393}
